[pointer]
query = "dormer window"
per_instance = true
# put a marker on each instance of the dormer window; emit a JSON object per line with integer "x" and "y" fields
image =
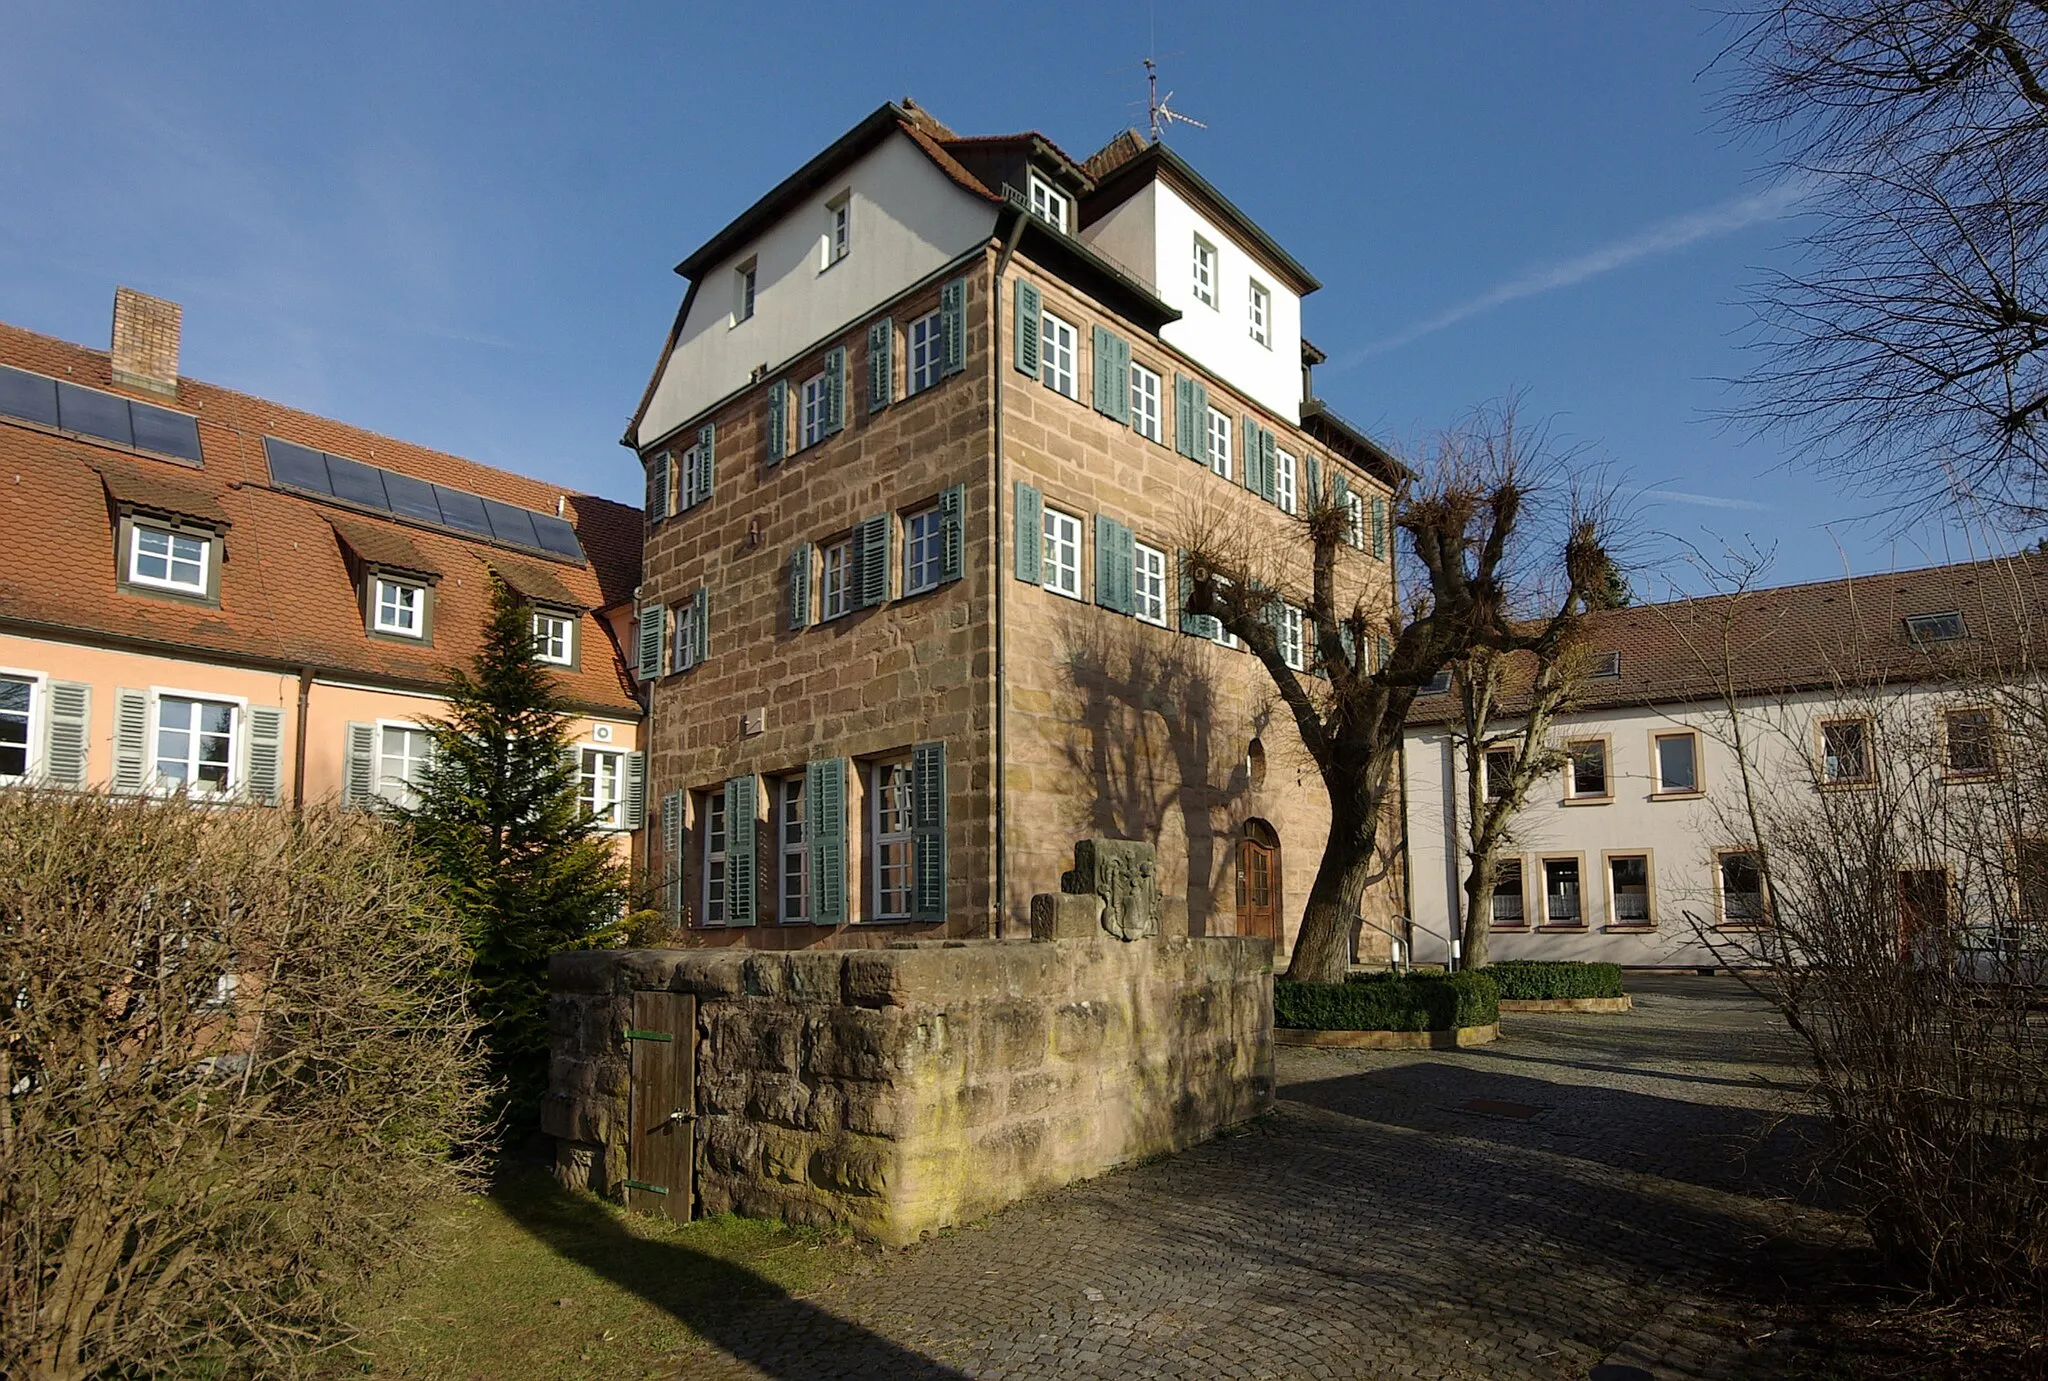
{"x": 554, "y": 637}
{"x": 1934, "y": 628}
{"x": 1605, "y": 666}
{"x": 399, "y": 608}
{"x": 167, "y": 560}
{"x": 1205, "y": 272}
{"x": 1049, "y": 203}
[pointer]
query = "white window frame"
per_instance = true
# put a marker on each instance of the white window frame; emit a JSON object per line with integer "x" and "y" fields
{"x": 1217, "y": 429}
{"x": 1293, "y": 647}
{"x": 883, "y": 776}
{"x": 38, "y": 697}
{"x": 1148, "y": 584}
{"x": 792, "y": 853}
{"x": 1261, "y": 308}
{"x": 745, "y": 289}
{"x": 683, "y": 650}
{"x": 1204, "y": 278}
{"x": 418, "y": 607}
{"x": 1049, "y": 203}
{"x": 838, "y": 228}
{"x": 1354, "y": 519}
{"x": 715, "y": 830}
{"x": 926, "y": 345}
{"x": 923, "y": 550}
{"x": 811, "y": 412}
{"x": 835, "y": 564}
{"x": 1286, "y": 497}
{"x": 237, "y": 738}
{"x": 406, "y": 791}
{"x": 171, "y": 536}
{"x": 545, "y": 624}
{"x": 687, "y": 467}
{"x": 1145, "y": 403}
{"x": 1059, "y": 355}
{"x": 1062, "y": 538}
{"x": 1222, "y": 637}
{"x": 608, "y": 811}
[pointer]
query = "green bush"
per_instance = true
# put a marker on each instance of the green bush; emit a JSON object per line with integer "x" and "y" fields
{"x": 1385, "y": 1002}
{"x": 1534, "y": 980}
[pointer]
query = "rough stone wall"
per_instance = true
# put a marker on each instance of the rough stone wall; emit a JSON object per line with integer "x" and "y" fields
{"x": 896, "y": 1091}
{"x": 1124, "y": 729}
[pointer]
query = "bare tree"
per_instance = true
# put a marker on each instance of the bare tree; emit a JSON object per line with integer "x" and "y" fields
{"x": 1484, "y": 558}
{"x": 1905, "y": 351}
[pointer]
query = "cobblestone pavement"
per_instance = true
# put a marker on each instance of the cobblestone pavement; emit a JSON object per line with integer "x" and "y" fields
{"x": 1585, "y": 1199}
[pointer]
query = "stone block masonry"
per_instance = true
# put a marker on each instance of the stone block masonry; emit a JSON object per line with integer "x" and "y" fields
{"x": 895, "y": 1091}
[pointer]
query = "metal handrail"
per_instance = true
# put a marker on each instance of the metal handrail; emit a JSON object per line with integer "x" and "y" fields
{"x": 1450, "y": 941}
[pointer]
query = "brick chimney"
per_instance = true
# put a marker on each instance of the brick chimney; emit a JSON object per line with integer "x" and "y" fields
{"x": 146, "y": 341}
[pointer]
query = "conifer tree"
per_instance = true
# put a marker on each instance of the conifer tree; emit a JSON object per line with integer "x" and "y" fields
{"x": 527, "y": 870}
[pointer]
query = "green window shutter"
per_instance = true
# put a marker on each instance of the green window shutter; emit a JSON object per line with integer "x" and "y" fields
{"x": 953, "y": 328}
{"x": 1030, "y": 533}
{"x": 1030, "y": 321}
{"x": 778, "y": 421}
{"x": 1383, "y": 652}
{"x": 835, "y": 390}
{"x": 881, "y": 364}
{"x": 800, "y": 587}
{"x": 1349, "y": 644}
{"x": 1314, "y": 470}
{"x": 1340, "y": 496}
{"x": 1183, "y": 415}
{"x": 825, "y": 837}
{"x": 67, "y": 734}
{"x": 928, "y": 830}
{"x": 359, "y": 766}
{"x": 707, "y": 468}
{"x": 1379, "y": 527}
{"x": 1105, "y": 569}
{"x": 672, "y": 856}
{"x": 651, "y": 619}
{"x": 131, "y": 740}
{"x": 657, "y": 486}
{"x": 1248, "y": 453}
{"x": 952, "y": 532}
{"x": 636, "y": 790}
{"x": 1269, "y": 465}
{"x": 1116, "y": 561}
{"x": 871, "y": 560}
{"x": 1120, "y": 380}
{"x": 740, "y": 855}
{"x": 700, "y": 621}
{"x": 266, "y": 755}
{"x": 1198, "y": 414}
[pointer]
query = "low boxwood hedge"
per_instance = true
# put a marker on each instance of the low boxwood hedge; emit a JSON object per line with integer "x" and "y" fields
{"x": 1531, "y": 980}
{"x": 1385, "y": 1002}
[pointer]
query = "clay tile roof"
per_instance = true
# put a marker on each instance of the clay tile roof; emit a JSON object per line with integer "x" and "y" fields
{"x": 133, "y": 487}
{"x": 378, "y": 545}
{"x": 531, "y": 582}
{"x": 1113, "y": 155}
{"x": 949, "y": 165}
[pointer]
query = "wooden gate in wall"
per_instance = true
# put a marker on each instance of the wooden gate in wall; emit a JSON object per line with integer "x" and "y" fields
{"x": 661, "y": 1104}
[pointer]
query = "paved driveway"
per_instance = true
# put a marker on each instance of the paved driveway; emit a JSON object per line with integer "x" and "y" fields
{"x": 1586, "y": 1198}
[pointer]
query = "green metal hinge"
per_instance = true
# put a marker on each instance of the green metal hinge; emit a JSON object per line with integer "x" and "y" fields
{"x": 648, "y": 1036}
{"x": 643, "y": 1185}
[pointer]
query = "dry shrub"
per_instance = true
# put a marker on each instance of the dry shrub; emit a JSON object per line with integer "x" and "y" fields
{"x": 236, "y": 1065}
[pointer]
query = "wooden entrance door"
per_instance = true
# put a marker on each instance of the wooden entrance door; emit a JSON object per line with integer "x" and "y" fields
{"x": 661, "y": 1104}
{"x": 1258, "y": 878}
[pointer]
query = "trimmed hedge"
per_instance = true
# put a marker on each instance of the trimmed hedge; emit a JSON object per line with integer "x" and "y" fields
{"x": 1533, "y": 980}
{"x": 1384, "y": 1002}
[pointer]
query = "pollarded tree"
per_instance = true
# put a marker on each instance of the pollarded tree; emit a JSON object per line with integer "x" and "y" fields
{"x": 526, "y": 868}
{"x": 1481, "y": 557}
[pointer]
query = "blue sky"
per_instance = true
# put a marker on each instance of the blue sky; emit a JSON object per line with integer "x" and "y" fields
{"x": 457, "y": 223}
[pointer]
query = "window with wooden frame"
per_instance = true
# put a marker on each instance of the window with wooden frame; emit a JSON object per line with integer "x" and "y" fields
{"x": 1205, "y": 272}
{"x": 1588, "y": 773}
{"x": 927, "y": 352}
{"x": 712, "y": 825}
{"x": 1261, "y": 315}
{"x": 1145, "y": 414}
{"x": 792, "y": 853}
{"x": 17, "y": 703}
{"x": 165, "y": 559}
{"x": 601, "y": 786}
{"x": 1284, "y": 490}
{"x": 1970, "y": 742}
{"x": 1058, "y": 356}
{"x": 838, "y": 228}
{"x": 1564, "y": 891}
{"x": 1148, "y": 583}
{"x": 1510, "y": 911}
{"x": 811, "y": 415}
{"x": 1676, "y": 754}
{"x": 1739, "y": 888}
{"x": 835, "y": 580}
{"x": 1219, "y": 431}
{"x": 1049, "y": 203}
{"x": 744, "y": 279}
{"x": 1497, "y": 768}
{"x": 1628, "y": 891}
{"x": 1845, "y": 758}
{"x": 1060, "y": 566}
{"x": 2030, "y": 878}
{"x": 890, "y": 840}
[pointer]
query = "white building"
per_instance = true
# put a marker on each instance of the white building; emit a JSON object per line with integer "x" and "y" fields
{"x": 1638, "y": 852}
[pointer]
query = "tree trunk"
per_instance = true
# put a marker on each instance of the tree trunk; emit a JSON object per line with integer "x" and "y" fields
{"x": 1478, "y": 910}
{"x": 1322, "y": 947}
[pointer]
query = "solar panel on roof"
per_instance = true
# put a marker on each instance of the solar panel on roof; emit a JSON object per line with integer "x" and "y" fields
{"x": 465, "y": 511}
{"x": 557, "y": 536}
{"x": 165, "y": 432}
{"x": 411, "y": 498}
{"x": 30, "y": 397}
{"x": 296, "y": 466}
{"x": 92, "y": 413}
{"x": 357, "y": 482}
{"x": 509, "y": 524}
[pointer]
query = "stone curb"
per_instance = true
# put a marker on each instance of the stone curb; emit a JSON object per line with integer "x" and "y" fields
{"x": 1566, "y": 1004}
{"x": 1390, "y": 1040}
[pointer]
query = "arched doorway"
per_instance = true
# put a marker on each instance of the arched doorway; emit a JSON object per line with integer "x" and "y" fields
{"x": 1258, "y": 881}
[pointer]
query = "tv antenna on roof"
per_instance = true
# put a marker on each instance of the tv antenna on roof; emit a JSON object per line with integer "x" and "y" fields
{"x": 1155, "y": 104}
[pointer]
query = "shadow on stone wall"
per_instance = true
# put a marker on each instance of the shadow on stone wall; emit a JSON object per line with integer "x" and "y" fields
{"x": 1141, "y": 742}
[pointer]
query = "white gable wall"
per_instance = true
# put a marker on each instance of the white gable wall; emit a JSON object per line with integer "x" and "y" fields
{"x": 909, "y": 220}
{"x": 1220, "y": 336}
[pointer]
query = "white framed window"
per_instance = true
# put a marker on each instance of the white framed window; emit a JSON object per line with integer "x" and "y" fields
{"x": 811, "y": 415}
{"x": 1262, "y": 316}
{"x": 1049, "y": 203}
{"x": 1205, "y": 272}
{"x": 1148, "y": 583}
{"x": 168, "y": 560}
{"x": 1354, "y": 519}
{"x": 1217, "y": 633}
{"x": 921, "y": 550}
{"x": 711, "y": 817}
{"x": 743, "y": 291}
{"x": 399, "y": 608}
{"x": 554, "y": 637}
{"x": 600, "y": 785}
{"x": 838, "y": 228}
{"x": 403, "y": 752}
{"x": 1056, "y": 356}
{"x": 195, "y": 744}
{"x": 17, "y": 709}
{"x": 1145, "y": 403}
{"x": 1284, "y": 492}
{"x": 889, "y": 824}
{"x": 793, "y": 853}
{"x": 1060, "y": 569}
{"x": 1293, "y": 650}
{"x": 1219, "y": 443}
{"x": 1678, "y": 762}
{"x": 927, "y": 352}
{"x": 684, "y": 652}
{"x": 696, "y": 485}
{"x": 835, "y": 582}
{"x": 1586, "y": 770}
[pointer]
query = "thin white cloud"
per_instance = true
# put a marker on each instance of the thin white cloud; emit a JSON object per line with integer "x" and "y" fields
{"x": 1723, "y": 218}
{"x": 1703, "y": 500}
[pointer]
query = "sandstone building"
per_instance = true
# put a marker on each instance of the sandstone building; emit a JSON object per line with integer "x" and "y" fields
{"x": 934, "y": 423}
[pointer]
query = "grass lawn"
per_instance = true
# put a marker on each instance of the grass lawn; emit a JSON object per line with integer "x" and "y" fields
{"x": 532, "y": 1281}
